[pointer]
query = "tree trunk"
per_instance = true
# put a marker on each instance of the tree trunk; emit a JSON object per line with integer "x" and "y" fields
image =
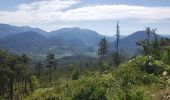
{"x": 0, "y": 89}
{"x": 22, "y": 84}
{"x": 11, "y": 88}
{"x": 25, "y": 88}
{"x": 50, "y": 73}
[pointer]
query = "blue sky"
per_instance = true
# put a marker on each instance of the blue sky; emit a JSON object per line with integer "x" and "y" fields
{"x": 98, "y": 15}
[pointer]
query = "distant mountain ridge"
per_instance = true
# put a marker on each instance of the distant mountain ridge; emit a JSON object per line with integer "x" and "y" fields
{"x": 65, "y": 41}
{"x": 168, "y": 36}
{"x": 23, "y": 41}
{"x": 6, "y": 30}
{"x": 37, "y": 30}
{"x": 89, "y": 37}
{"x": 62, "y": 41}
{"x": 128, "y": 43}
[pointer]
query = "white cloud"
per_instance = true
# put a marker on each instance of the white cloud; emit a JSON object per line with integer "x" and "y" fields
{"x": 48, "y": 5}
{"x": 37, "y": 12}
{"x": 58, "y": 10}
{"x": 104, "y": 12}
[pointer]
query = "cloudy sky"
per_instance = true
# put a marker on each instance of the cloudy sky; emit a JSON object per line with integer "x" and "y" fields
{"x": 98, "y": 15}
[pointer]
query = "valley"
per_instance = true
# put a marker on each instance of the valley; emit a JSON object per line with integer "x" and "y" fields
{"x": 84, "y": 50}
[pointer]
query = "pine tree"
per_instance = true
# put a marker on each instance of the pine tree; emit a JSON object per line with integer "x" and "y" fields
{"x": 103, "y": 49}
{"x": 148, "y": 40}
{"x": 39, "y": 69}
{"x": 51, "y": 61}
{"x": 116, "y": 56}
{"x": 13, "y": 69}
{"x": 25, "y": 60}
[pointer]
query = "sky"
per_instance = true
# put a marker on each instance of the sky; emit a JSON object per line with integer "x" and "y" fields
{"x": 97, "y": 15}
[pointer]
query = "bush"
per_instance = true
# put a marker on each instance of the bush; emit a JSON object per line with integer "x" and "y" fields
{"x": 135, "y": 94}
{"x": 75, "y": 74}
{"x": 136, "y": 71}
{"x": 150, "y": 66}
{"x": 34, "y": 83}
{"x": 104, "y": 66}
{"x": 91, "y": 88}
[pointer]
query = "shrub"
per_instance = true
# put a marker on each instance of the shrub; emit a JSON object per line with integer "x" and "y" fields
{"x": 136, "y": 71}
{"x": 75, "y": 74}
{"x": 34, "y": 83}
{"x": 135, "y": 94}
{"x": 104, "y": 66}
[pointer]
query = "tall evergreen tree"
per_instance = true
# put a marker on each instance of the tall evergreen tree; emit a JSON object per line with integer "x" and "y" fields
{"x": 103, "y": 49}
{"x": 51, "y": 61}
{"x": 25, "y": 60}
{"x": 12, "y": 61}
{"x": 148, "y": 40}
{"x": 116, "y": 56}
{"x": 13, "y": 70}
{"x": 39, "y": 69}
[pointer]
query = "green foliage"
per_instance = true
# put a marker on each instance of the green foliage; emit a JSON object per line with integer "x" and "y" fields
{"x": 165, "y": 55}
{"x": 25, "y": 59}
{"x": 75, "y": 74}
{"x": 116, "y": 58}
{"x": 150, "y": 66}
{"x": 38, "y": 69}
{"x": 74, "y": 70}
{"x": 135, "y": 72}
{"x": 131, "y": 80}
{"x": 104, "y": 66}
{"x": 97, "y": 87}
{"x": 87, "y": 88}
{"x": 91, "y": 88}
{"x": 118, "y": 83}
{"x": 103, "y": 48}
{"x": 136, "y": 94}
{"x": 51, "y": 63}
{"x": 34, "y": 82}
{"x": 14, "y": 70}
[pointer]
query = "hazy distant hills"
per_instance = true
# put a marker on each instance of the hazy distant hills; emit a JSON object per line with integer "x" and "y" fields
{"x": 65, "y": 41}
{"x": 6, "y": 30}
{"x": 32, "y": 42}
{"x": 168, "y": 36}
{"x": 37, "y": 30}
{"x": 24, "y": 41}
{"x": 128, "y": 43}
{"x": 88, "y": 37}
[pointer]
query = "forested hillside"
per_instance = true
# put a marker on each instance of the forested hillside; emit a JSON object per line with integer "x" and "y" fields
{"x": 111, "y": 76}
{"x": 84, "y": 49}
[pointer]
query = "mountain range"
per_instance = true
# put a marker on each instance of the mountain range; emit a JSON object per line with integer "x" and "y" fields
{"x": 66, "y": 41}
{"x": 128, "y": 43}
{"x": 6, "y": 30}
{"x": 63, "y": 42}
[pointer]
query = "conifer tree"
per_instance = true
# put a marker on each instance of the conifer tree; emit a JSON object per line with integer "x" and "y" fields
{"x": 103, "y": 49}
{"x": 50, "y": 61}
{"x": 25, "y": 60}
{"x": 39, "y": 69}
{"x": 116, "y": 56}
